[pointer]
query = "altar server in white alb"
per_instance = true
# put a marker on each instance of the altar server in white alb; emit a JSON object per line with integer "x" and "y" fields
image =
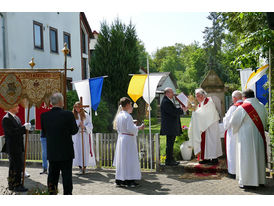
{"x": 126, "y": 158}
{"x": 248, "y": 123}
{"x": 203, "y": 131}
{"x": 230, "y": 140}
{"x": 83, "y": 121}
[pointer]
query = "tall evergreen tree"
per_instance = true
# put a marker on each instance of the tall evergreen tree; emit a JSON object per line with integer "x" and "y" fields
{"x": 213, "y": 43}
{"x": 116, "y": 55}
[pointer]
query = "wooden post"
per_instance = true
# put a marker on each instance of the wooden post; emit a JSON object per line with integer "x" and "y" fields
{"x": 82, "y": 132}
{"x": 65, "y": 50}
{"x": 97, "y": 150}
{"x": 157, "y": 148}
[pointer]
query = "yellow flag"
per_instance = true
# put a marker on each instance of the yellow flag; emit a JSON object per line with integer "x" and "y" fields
{"x": 255, "y": 76}
{"x": 136, "y": 86}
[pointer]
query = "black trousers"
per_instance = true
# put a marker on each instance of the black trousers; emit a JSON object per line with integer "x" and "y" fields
{"x": 53, "y": 177}
{"x": 169, "y": 148}
{"x": 16, "y": 162}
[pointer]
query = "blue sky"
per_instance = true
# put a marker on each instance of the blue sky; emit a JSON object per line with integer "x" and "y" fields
{"x": 159, "y": 29}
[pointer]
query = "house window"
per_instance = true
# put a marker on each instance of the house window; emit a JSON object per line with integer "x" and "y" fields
{"x": 67, "y": 40}
{"x": 85, "y": 73}
{"x": 84, "y": 42}
{"x": 38, "y": 35}
{"x": 53, "y": 35}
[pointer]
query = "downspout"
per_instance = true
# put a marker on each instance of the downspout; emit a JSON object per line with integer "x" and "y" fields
{"x": 4, "y": 39}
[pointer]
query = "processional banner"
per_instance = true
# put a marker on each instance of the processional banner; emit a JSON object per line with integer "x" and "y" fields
{"x": 29, "y": 87}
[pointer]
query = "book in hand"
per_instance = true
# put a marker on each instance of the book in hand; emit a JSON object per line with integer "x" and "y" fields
{"x": 182, "y": 99}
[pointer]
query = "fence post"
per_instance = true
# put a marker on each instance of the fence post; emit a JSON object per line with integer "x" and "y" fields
{"x": 1, "y": 144}
{"x": 97, "y": 150}
{"x": 157, "y": 148}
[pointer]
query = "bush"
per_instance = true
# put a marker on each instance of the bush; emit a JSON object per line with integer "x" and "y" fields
{"x": 178, "y": 142}
{"x": 72, "y": 97}
{"x": 153, "y": 120}
{"x": 103, "y": 121}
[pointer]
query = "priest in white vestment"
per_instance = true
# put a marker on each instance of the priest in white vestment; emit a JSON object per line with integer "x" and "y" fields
{"x": 230, "y": 140}
{"x": 83, "y": 121}
{"x": 203, "y": 130}
{"x": 126, "y": 158}
{"x": 250, "y": 145}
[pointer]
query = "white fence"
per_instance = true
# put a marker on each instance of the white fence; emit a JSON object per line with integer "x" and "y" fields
{"x": 104, "y": 147}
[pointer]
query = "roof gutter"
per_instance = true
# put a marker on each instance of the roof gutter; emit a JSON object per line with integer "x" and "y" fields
{"x": 4, "y": 40}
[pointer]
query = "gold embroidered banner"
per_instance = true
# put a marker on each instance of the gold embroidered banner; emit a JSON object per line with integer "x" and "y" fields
{"x": 31, "y": 86}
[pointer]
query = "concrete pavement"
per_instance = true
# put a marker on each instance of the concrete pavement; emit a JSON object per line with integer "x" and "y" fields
{"x": 101, "y": 182}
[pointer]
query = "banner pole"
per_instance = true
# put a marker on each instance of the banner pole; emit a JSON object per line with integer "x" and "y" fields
{"x": 26, "y": 144}
{"x": 149, "y": 115}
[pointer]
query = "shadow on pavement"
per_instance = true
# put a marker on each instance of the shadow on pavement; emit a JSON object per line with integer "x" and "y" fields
{"x": 267, "y": 189}
{"x": 33, "y": 185}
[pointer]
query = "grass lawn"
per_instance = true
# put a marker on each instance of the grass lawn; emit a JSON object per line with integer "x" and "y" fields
{"x": 156, "y": 129}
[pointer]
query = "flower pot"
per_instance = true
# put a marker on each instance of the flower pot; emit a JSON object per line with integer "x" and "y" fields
{"x": 186, "y": 152}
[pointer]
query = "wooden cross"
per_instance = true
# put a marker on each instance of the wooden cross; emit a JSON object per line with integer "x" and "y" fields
{"x": 82, "y": 132}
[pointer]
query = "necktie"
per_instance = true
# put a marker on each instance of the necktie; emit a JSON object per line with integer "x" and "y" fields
{"x": 17, "y": 120}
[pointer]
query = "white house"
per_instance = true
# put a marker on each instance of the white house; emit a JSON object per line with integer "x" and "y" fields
{"x": 42, "y": 35}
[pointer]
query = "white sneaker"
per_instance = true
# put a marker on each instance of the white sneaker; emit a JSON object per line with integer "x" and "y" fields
{"x": 27, "y": 174}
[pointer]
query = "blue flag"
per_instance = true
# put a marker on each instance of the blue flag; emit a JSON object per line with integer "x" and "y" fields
{"x": 95, "y": 85}
{"x": 261, "y": 93}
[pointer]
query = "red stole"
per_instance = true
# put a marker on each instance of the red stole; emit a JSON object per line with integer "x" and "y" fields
{"x": 257, "y": 121}
{"x": 203, "y": 135}
{"x": 236, "y": 104}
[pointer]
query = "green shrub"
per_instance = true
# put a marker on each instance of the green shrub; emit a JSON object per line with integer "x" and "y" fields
{"x": 153, "y": 121}
{"x": 103, "y": 121}
{"x": 178, "y": 142}
{"x": 72, "y": 97}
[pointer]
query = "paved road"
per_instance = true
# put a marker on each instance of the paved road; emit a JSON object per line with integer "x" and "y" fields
{"x": 101, "y": 182}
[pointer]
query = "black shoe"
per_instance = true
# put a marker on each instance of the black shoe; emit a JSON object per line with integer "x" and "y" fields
{"x": 120, "y": 183}
{"x": 44, "y": 172}
{"x": 213, "y": 162}
{"x": 10, "y": 187}
{"x": 135, "y": 183}
{"x": 172, "y": 163}
{"x": 231, "y": 176}
{"x": 204, "y": 162}
{"x": 247, "y": 187}
{"x": 131, "y": 184}
{"x": 20, "y": 189}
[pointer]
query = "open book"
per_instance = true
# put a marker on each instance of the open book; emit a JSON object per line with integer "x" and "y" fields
{"x": 182, "y": 99}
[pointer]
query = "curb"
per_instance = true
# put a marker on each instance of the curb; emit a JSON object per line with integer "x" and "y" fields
{"x": 28, "y": 163}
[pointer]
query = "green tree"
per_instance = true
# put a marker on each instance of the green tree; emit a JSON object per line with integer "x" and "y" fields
{"x": 213, "y": 43}
{"x": 116, "y": 55}
{"x": 255, "y": 39}
{"x": 253, "y": 34}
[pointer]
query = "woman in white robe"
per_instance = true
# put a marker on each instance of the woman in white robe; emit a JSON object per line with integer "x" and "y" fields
{"x": 83, "y": 121}
{"x": 126, "y": 158}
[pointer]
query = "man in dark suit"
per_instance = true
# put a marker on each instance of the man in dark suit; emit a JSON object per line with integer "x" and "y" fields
{"x": 170, "y": 124}
{"x": 58, "y": 126}
{"x": 14, "y": 147}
